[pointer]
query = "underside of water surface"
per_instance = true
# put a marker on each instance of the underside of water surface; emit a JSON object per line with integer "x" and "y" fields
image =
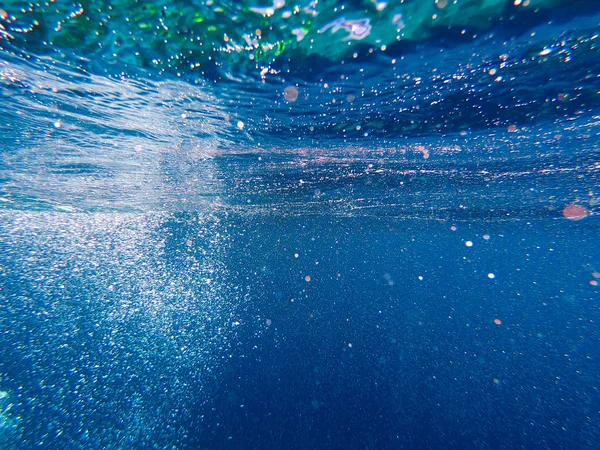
{"x": 311, "y": 224}
{"x": 417, "y": 131}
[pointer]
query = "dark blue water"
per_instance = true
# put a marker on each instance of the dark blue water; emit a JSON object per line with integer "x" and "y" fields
{"x": 369, "y": 355}
{"x": 378, "y": 238}
{"x": 115, "y": 336}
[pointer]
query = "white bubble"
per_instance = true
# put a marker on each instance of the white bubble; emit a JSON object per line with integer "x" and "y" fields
{"x": 491, "y": 276}
{"x": 469, "y": 244}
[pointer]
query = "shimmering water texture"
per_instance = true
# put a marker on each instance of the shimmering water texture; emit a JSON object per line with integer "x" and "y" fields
{"x": 314, "y": 224}
{"x": 182, "y": 36}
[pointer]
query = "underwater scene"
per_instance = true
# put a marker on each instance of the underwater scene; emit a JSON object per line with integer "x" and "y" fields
{"x": 311, "y": 224}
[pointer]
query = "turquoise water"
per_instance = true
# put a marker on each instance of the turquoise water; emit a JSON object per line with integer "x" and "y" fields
{"x": 310, "y": 225}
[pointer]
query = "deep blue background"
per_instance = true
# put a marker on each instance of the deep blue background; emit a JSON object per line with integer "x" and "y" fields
{"x": 424, "y": 356}
{"x": 264, "y": 360}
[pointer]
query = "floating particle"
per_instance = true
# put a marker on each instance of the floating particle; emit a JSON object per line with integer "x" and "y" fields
{"x": 486, "y": 237}
{"x": 496, "y": 381}
{"x": 594, "y": 282}
{"x": 240, "y": 125}
{"x": 512, "y": 129}
{"x": 350, "y": 344}
{"x": 441, "y": 4}
{"x": 469, "y": 243}
{"x": 420, "y": 278}
{"x": 596, "y": 274}
{"x": 307, "y": 278}
{"x": 290, "y": 93}
{"x": 491, "y": 276}
{"x": 268, "y": 322}
{"x": 497, "y": 321}
{"x": 453, "y": 228}
{"x": 58, "y": 123}
{"x": 574, "y": 212}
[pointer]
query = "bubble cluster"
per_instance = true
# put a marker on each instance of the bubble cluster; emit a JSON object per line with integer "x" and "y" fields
{"x": 127, "y": 319}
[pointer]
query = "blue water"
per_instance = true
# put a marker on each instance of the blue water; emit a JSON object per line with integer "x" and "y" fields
{"x": 397, "y": 249}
